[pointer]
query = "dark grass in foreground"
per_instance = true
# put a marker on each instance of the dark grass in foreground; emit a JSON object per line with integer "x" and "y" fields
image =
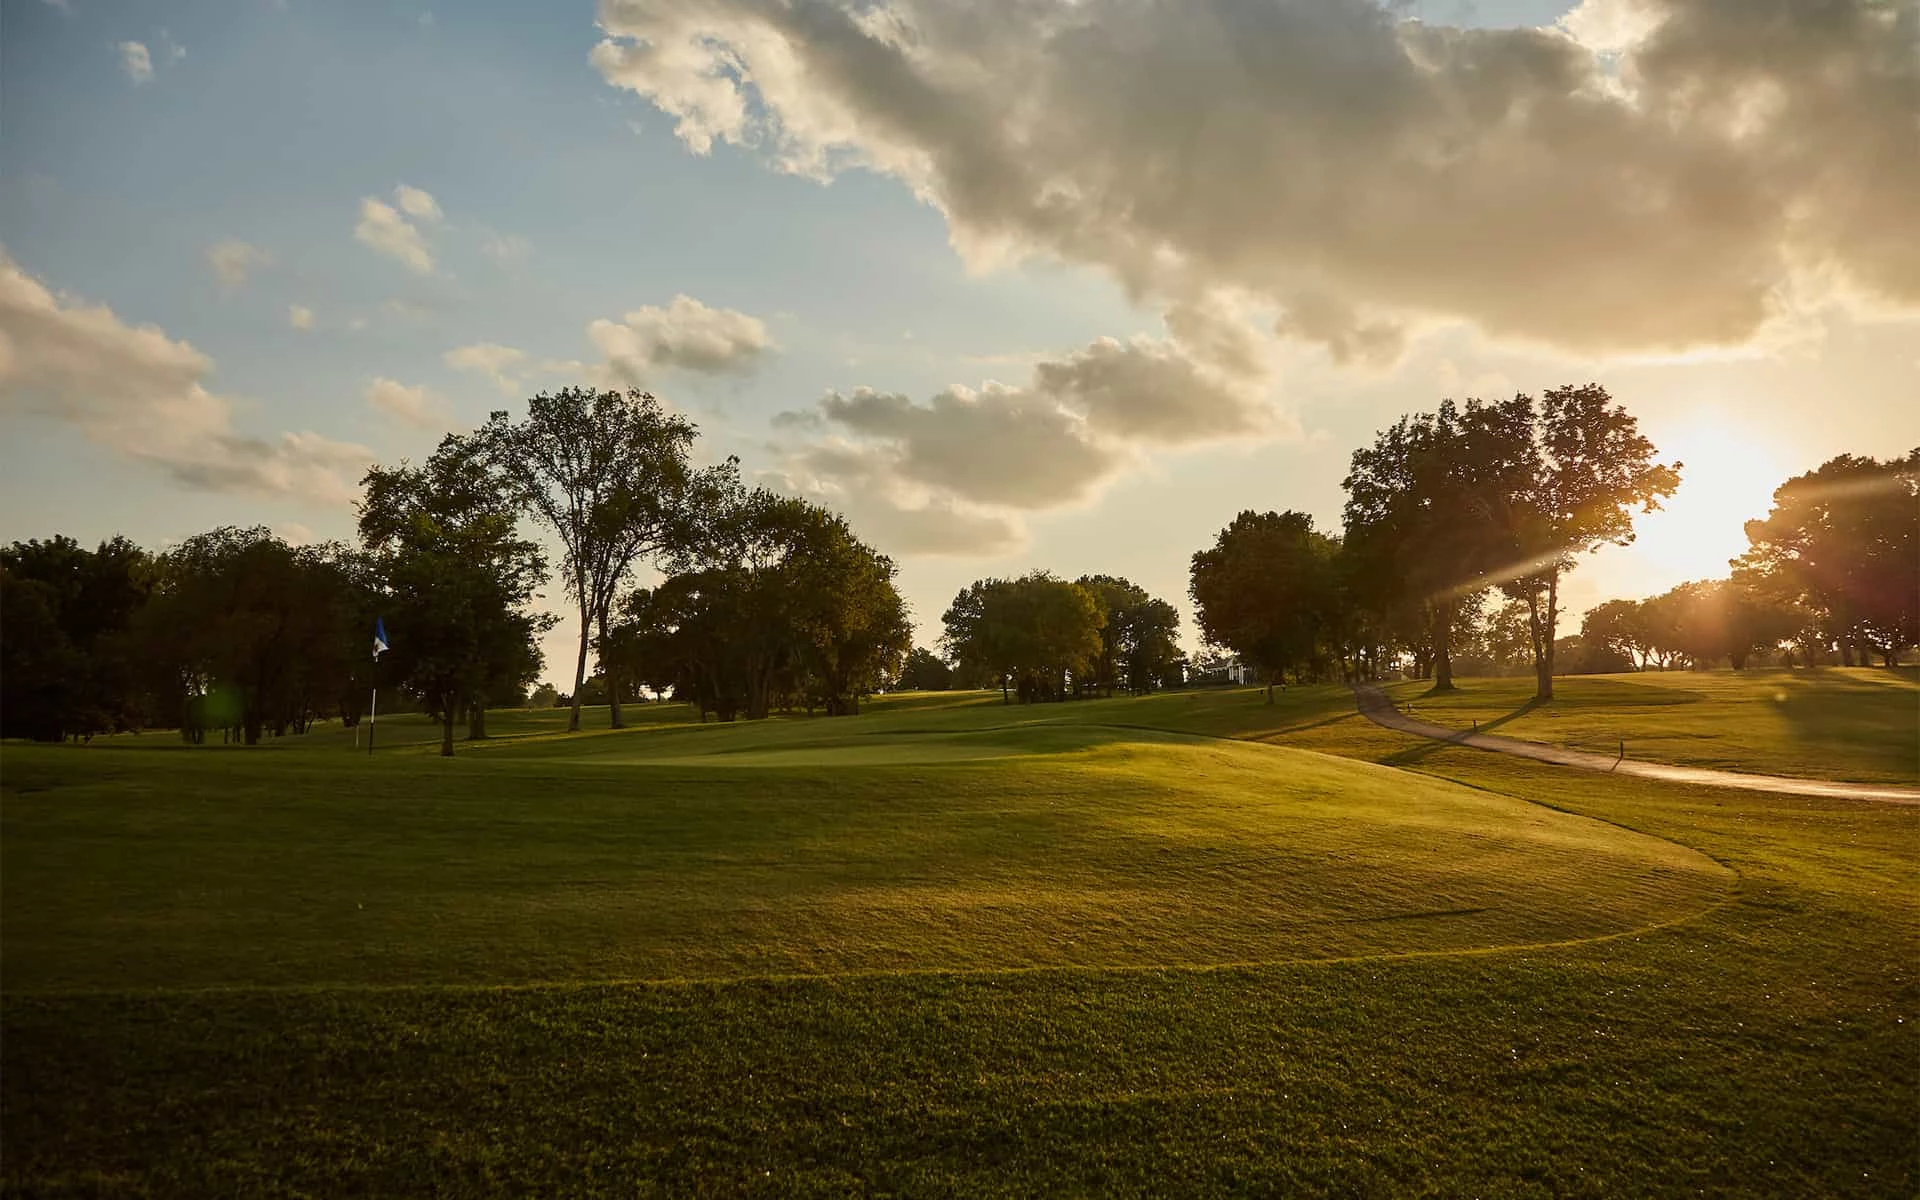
{"x": 1851, "y": 723}
{"x": 1763, "y": 1045}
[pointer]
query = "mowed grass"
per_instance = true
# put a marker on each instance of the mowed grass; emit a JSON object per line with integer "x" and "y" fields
{"x": 947, "y": 947}
{"x": 1860, "y": 724}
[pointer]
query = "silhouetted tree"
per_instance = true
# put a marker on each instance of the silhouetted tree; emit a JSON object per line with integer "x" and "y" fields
{"x": 924, "y": 671}
{"x": 457, "y": 580}
{"x": 1844, "y": 540}
{"x": 607, "y": 472}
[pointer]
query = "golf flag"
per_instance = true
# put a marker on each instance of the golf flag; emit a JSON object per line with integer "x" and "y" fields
{"x": 379, "y": 637}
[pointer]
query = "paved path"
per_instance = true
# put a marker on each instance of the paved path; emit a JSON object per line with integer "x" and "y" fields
{"x": 1380, "y": 710}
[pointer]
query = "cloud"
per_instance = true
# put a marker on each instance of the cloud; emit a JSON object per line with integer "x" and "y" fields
{"x": 416, "y": 203}
{"x": 135, "y": 61}
{"x": 391, "y": 231}
{"x": 952, "y": 474}
{"x": 409, "y": 405}
{"x": 299, "y": 316}
{"x": 495, "y": 361}
{"x": 685, "y": 335}
{"x": 1650, "y": 176}
{"x": 506, "y": 249}
{"x": 143, "y": 395}
{"x": 233, "y": 260}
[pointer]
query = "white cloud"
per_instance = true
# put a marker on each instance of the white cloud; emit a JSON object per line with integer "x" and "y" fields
{"x": 498, "y": 363}
{"x": 952, "y": 474}
{"x": 686, "y": 335}
{"x": 233, "y": 260}
{"x": 135, "y": 61}
{"x": 391, "y": 231}
{"x": 1653, "y": 176}
{"x": 299, "y": 316}
{"x": 507, "y": 249}
{"x": 143, "y": 395}
{"x": 417, "y": 203}
{"x": 409, "y": 405}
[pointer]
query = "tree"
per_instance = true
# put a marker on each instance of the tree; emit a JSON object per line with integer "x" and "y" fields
{"x": 607, "y": 472}
{"x": 1029, "y": 633}
{"x": 457, "y": 581}
{"x": 1621, "y": 626}
{"x": 67, "y": 665}
{"x": 1426, "y": 517}
{"x": 924, "y": 671}
{"x": 1266, "y": 590}
{"x": 244, "y": 627}
{"x": 1589, "y": 470}
{"x": 1138, "y": 651}
{"x": 784, "y": 601}
{"x": 1844, "y": 541}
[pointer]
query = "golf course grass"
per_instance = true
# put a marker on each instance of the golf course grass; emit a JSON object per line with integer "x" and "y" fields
{"x": 1192, "y": 942}
{"x": 1849, "y": 723}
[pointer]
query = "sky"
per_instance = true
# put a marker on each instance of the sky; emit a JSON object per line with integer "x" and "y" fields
{"x": 1013, "y": 284}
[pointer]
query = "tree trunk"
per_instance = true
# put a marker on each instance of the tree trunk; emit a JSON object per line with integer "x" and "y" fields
{"x": 477, "y": 721}
{"x": 1543, "y": 658}
{"x": 613, "y": 682}
{"x": 446, "y": 728}
{"x": 1441, "y": 631}
{"x": 579, "y": 672}
{"x": 1271, "y": 671}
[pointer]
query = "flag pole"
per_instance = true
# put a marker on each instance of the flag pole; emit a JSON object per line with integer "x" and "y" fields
{"x": 373, "y": 708}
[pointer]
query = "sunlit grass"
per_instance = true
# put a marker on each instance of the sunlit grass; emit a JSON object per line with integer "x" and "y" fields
{"x": 1833, "y": 723}
{"x": 1087, "y": 948}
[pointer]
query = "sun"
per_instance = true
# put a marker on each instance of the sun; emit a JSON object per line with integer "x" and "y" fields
{"x": 1728, "y": 478}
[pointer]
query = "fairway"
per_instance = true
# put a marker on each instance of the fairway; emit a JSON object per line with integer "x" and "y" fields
{"x": 907, "y": 841}
{"x": 1848, "y": 723}
{"x": 1191, "y": 942}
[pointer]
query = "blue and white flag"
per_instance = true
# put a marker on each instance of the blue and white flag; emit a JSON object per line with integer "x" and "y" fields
{"x": 379, "y": 637}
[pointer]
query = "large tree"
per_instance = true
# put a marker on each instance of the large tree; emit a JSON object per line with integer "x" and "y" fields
{"x": 607, "y": 472}
{"x": 1844, "y": 540}
{"x": 1029, "y": 633}
{"x": 1589, "y": 472}
{"x": 1428, "y": 516}
{"x": 66, "y": 660}
{"x": 1138, "y": 647}
{"x": 781, "y": 600}
{"x": 457, "y": 581}
{"x": 1266, "y": 589}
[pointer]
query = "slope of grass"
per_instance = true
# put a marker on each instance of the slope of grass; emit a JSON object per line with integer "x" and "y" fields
{"x": 1859, "y": 724}
{"x": 1761, "y": 1043}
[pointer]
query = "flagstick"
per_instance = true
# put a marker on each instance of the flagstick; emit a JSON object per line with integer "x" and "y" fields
{"x": 372, "y": 716}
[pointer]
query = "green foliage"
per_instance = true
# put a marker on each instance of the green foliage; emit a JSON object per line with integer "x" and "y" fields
{"x": 248, "y": 634}
{"x": 1027, "y": 635}
{"x": 68, "y": 665}
{"x": 784, "y": 604}
{"x": 1139, "y": 652}
{"x": 924, "y": 671}
{"x": 608, "y": 474}
{"x": 456, "y": 582}
{"x": 1844, "y": 540}
{"x": 1267, "y": 590}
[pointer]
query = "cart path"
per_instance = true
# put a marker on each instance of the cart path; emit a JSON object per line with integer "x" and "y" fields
{"x": 1376, "y": 707}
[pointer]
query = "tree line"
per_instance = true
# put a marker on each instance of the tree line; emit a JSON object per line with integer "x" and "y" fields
{"x": 1458, "y": 527}
{"x": 765, "y": 599}
{"x": 1460, "y": 523}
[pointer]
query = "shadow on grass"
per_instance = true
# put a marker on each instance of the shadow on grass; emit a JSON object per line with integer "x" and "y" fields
{"x": 1427, "y": 746}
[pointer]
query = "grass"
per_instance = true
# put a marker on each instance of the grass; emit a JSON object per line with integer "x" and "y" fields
{"x": 1179, "y": 944}
{"x": 1860, "y": 724}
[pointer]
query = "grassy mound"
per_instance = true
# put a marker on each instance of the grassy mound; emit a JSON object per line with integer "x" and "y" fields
{"x": 909, "y": 840}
